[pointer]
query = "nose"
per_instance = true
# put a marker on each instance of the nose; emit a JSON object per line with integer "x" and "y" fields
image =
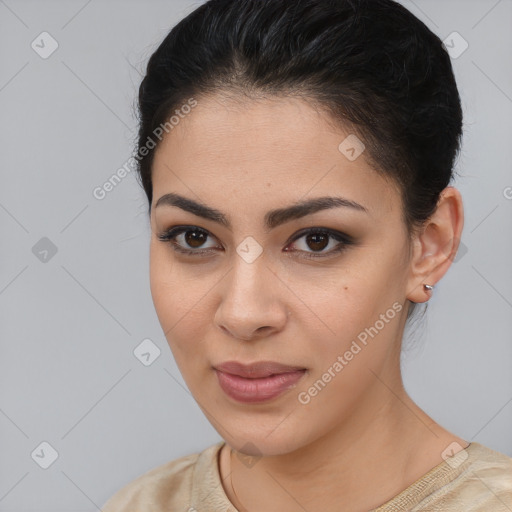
{"x": 251, "y": 305}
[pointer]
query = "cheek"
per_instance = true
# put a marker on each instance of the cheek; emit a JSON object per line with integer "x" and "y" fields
{"x": 179, "y": 297}
{"x": 358, "y": 319}
{"x": 345, "y": 365}
{"x": 341, "y": 301}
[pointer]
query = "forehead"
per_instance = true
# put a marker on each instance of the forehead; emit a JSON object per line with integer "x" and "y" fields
{"x": 265, "y": 151}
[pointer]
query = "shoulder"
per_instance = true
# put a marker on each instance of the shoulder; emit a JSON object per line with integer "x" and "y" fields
{"x": 475, "y": 479}
{"x": 165, "y": 486}
{"x": 482, "y": 482}
{"x": 489, "y": 476}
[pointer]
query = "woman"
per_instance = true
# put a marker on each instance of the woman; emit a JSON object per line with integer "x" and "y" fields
{"x": 296, "y": 158}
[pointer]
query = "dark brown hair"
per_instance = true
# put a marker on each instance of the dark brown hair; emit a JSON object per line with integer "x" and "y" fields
{"x": 370, "y": 64}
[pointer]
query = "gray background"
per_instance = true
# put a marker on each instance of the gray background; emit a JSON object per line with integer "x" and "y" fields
{"x": 70, "y": 321}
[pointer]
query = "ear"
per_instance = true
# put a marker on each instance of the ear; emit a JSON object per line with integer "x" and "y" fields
{"x": 435, "y": 246}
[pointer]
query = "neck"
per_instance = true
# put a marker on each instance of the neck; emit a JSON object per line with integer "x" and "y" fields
{"x": 367, "y": 460}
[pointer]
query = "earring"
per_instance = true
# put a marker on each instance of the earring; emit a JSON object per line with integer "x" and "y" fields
{"x": 428, "y": 287}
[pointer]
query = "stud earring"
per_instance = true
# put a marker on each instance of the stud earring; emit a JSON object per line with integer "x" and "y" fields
{"x": 428, "y": 287}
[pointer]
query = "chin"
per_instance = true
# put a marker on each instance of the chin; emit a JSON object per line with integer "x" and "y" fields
{"x": 259, "y": 439}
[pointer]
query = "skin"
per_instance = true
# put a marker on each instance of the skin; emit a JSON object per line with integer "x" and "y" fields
{"x": 361, "y": 440}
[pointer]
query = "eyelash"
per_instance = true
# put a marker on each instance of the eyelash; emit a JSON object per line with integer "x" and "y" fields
{"x": 344, "y": 240}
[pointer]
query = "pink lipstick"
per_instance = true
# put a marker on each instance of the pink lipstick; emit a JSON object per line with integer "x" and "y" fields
{"x": 257, "y": 382}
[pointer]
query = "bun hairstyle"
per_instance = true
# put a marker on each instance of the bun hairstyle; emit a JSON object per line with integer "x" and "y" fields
{"x": 375, "y": 69}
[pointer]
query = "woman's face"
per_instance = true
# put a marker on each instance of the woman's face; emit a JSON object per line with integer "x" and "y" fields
{"x": 263, "y": 289}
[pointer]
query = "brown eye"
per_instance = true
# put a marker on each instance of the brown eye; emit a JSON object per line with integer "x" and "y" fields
{"x": 195, "y": 238}
{"x": 312, "y": 242}
{"x": 189, "y": 240}
{"x": 317, "y": 242}
{"x": 309, "y": 243}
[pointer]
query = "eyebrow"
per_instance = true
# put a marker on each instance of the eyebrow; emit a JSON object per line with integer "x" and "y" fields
{"x": 273, "y": 218}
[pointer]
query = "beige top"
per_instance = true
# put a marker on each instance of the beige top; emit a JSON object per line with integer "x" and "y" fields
{"x": 476, "y": 479}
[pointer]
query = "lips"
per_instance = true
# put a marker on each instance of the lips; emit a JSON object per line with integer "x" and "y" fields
{"x": 256, "y": 370}
{"x": 257, "y": 382}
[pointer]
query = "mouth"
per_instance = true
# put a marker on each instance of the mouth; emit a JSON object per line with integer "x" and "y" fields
{"x": 257, "y": 382}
